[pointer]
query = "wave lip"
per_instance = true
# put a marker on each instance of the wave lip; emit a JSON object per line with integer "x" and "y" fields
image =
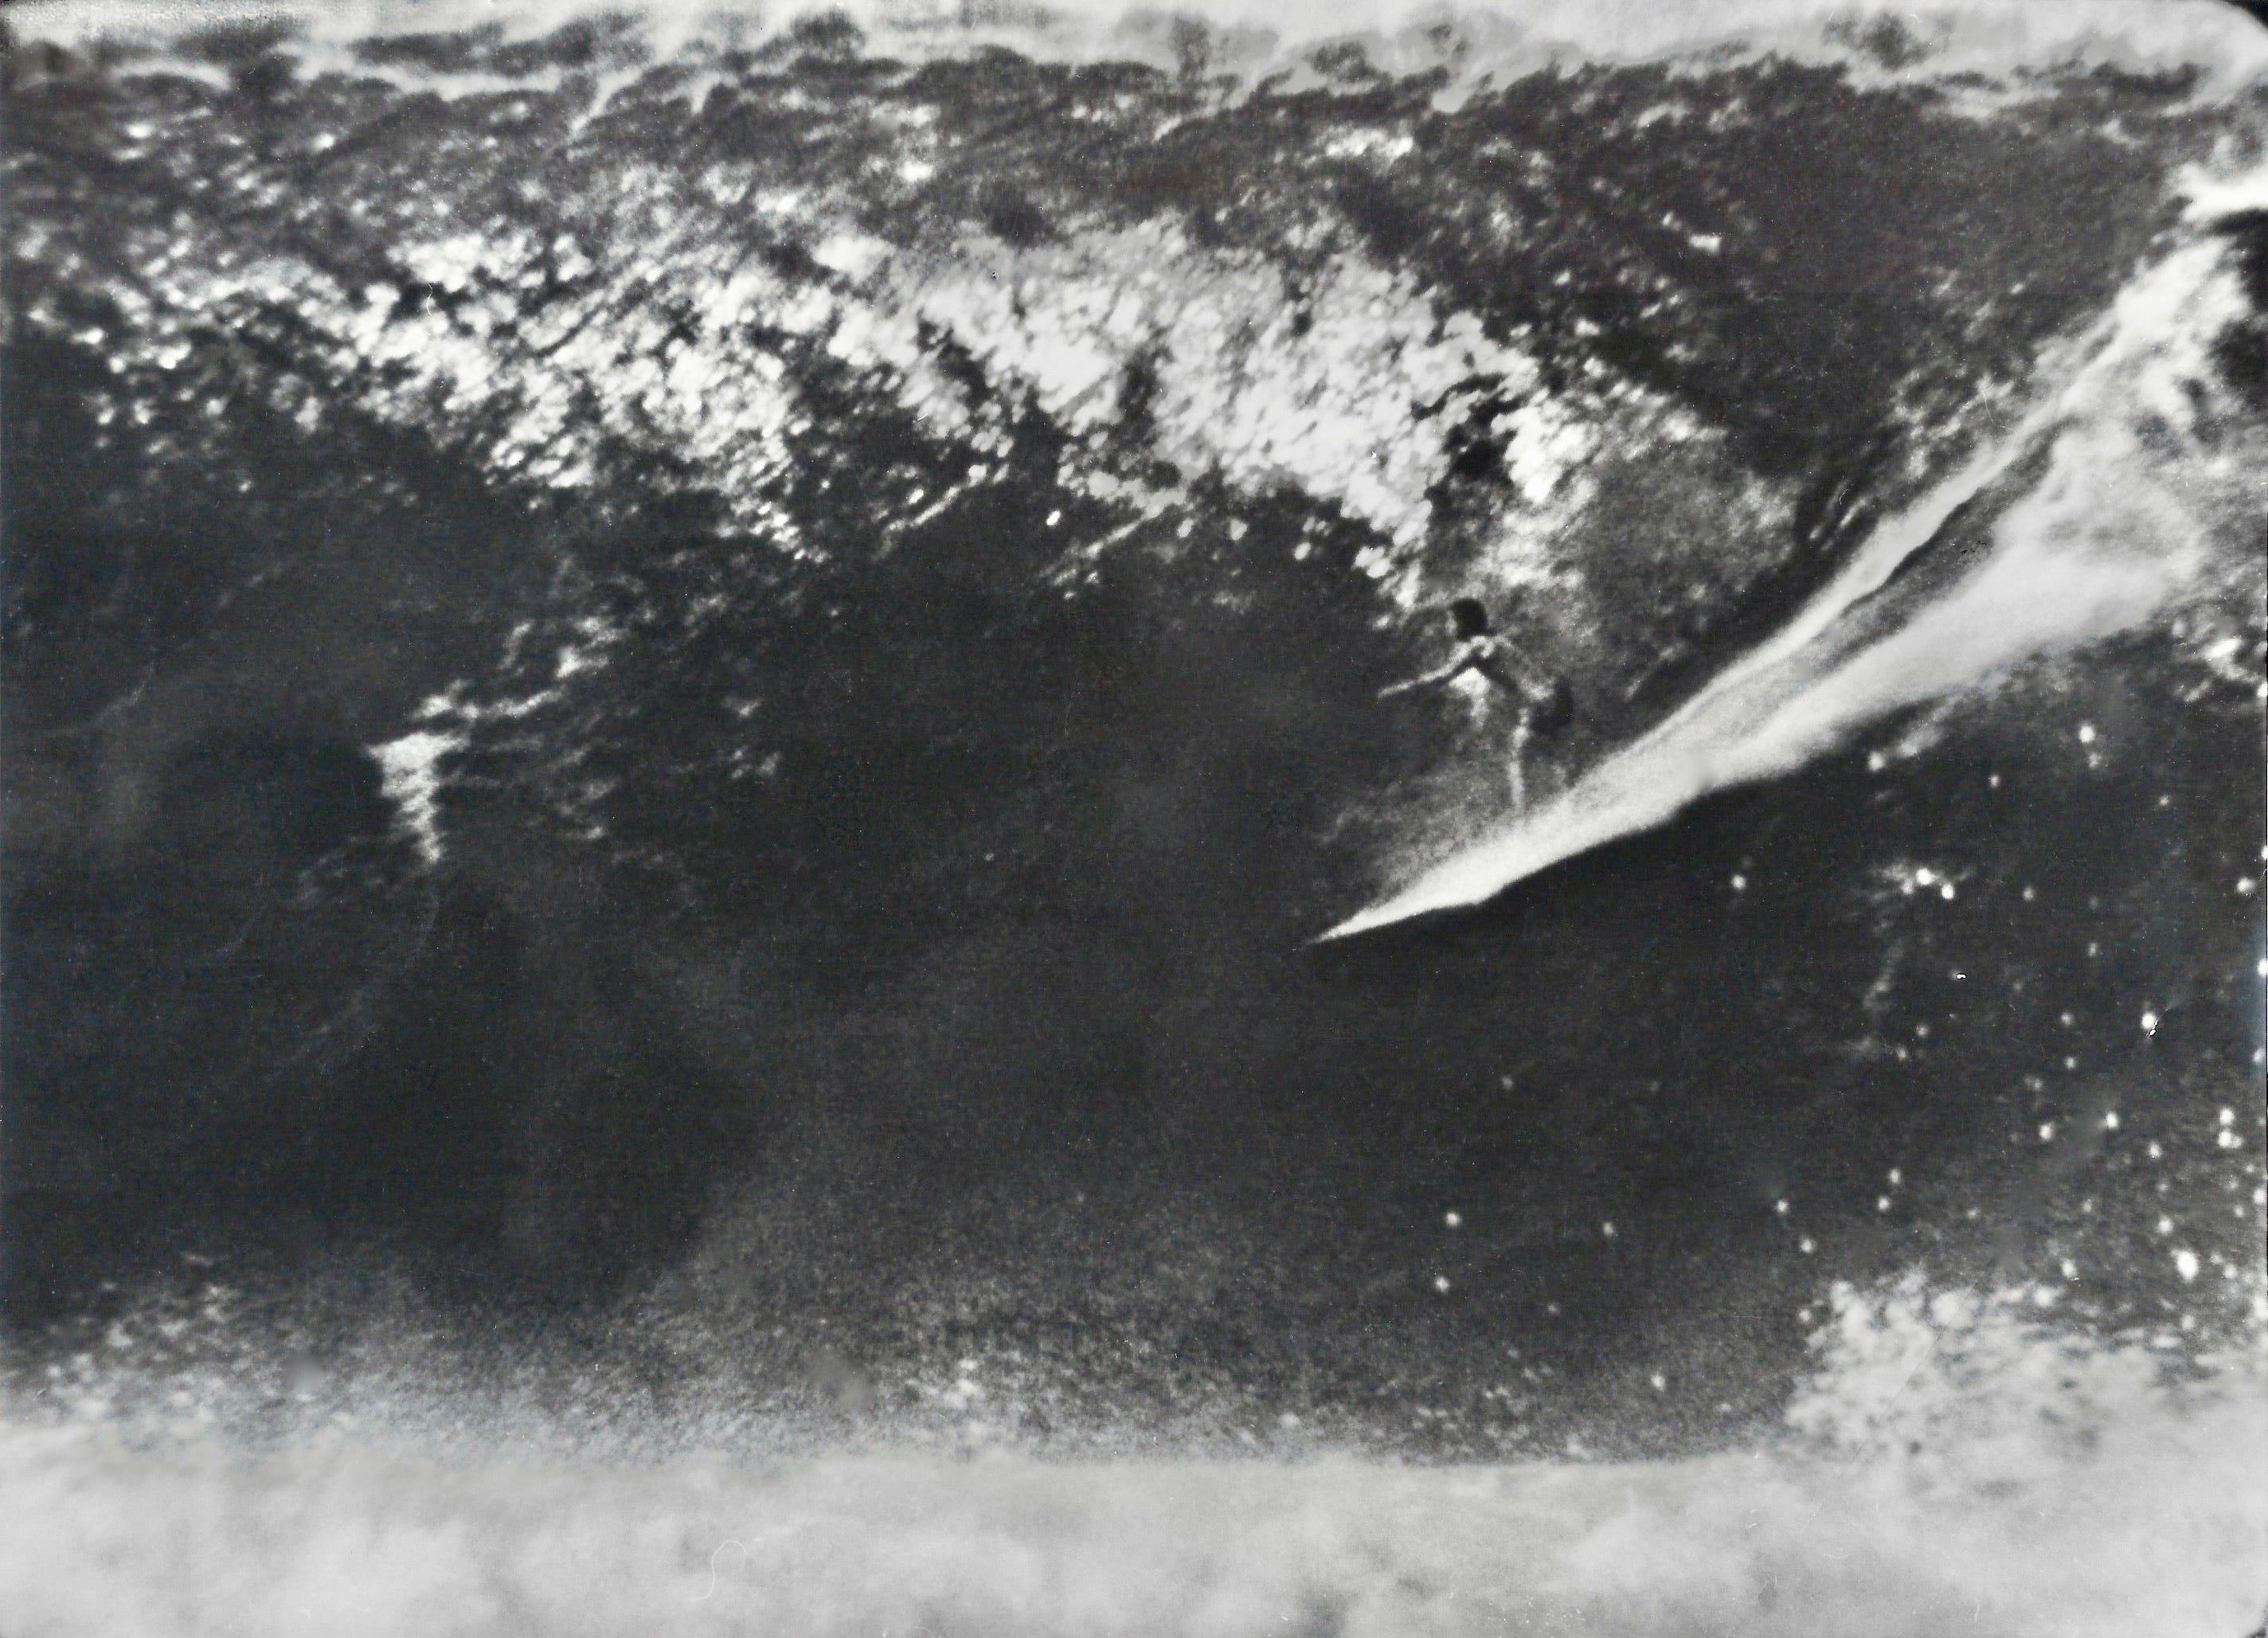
{"x": 1257, "y": 37}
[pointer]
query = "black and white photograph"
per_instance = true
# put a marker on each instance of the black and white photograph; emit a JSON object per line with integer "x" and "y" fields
{"x": 1076, "y": 818}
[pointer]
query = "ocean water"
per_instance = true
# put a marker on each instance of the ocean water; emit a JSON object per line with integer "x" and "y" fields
{"x": 684, "y": 703}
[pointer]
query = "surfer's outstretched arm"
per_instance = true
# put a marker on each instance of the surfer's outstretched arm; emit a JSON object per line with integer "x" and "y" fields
{"x": 1463, "y": 661}
{"x": 1432, "y": 679}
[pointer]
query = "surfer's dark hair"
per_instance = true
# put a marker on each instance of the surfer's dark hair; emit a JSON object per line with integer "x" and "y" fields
{"x": 1471, "y": 616}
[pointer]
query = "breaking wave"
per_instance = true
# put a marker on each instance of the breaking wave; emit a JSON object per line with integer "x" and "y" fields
{"x": 889, "y": 1100}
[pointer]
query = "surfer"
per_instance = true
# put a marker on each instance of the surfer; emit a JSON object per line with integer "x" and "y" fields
{"x": 1545, "y": 705}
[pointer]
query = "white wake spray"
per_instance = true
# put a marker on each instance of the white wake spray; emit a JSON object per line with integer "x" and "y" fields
{"x": 2123, "y": 522}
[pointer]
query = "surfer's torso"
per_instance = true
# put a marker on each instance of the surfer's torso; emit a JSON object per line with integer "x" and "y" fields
{"x": 1490, "y": 657}
{"x": 1485, "y": 656}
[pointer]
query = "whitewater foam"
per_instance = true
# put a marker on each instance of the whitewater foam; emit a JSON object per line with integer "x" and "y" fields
{"x": 1956, "y": 1464}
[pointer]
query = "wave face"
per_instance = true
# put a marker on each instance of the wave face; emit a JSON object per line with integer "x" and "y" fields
{"x": 682, "y": 700}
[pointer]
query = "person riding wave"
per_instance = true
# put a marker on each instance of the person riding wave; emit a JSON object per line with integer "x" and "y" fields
{"x": 1546, "y": 705}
